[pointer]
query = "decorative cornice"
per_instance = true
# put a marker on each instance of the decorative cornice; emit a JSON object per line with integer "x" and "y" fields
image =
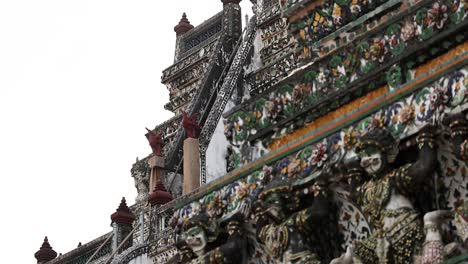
{"x": 320, "y": 99}
{"x": 86, "y": 249}
{"x": 328, "y": 129}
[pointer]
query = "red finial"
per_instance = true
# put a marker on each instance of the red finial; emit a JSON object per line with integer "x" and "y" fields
{"x": 156, "y": 142}
{"x": 189, "y": 123}
{"x": 123, "y": 215}
{"x": 159, "y": 195}
{"x": 45, "y": 253}
{"x": 183, "y": 26}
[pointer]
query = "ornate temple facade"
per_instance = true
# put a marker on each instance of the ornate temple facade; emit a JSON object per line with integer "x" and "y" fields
{"x": 321, "y": 131}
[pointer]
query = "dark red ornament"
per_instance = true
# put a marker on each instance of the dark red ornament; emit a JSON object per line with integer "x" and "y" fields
{"x": 45, "y": 253}
{"x": 192, "y": 129}
{"x": 159, "y": 195}
{"x": 156, "y": 142}
{"x": 123, "y": 215}
{"x": 183, "y": 26}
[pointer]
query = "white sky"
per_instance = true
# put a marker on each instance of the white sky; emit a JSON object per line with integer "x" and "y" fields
{"x": 79, "y": 81}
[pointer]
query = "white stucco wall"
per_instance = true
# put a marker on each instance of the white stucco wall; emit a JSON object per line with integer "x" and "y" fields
{"x": 216, "y": 154}
{"x": 256, "y": 62}
{"x": 217, "y": 149}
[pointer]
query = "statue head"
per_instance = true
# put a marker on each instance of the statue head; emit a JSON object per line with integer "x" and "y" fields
{"x": 376, "y": 150}
{"x": 198, "y": 231}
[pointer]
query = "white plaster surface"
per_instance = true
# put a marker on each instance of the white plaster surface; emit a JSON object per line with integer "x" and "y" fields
{"x": 216, "y": 154}
{"x": 256, "y": 60}
{"x": 217, "y": 150}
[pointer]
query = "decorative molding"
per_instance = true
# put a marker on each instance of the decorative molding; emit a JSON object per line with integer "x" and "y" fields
{"x": 328, "y": 83}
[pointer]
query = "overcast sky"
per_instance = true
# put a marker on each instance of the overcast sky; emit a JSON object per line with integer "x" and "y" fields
{"x": 79, "y": 81}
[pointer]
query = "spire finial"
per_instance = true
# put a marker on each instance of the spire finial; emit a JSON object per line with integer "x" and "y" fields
{"x": 123, "y": 215}
{"x": 159, "y": 195}
{"x": 45, "y": 253}
{"x": 183, "y": 26}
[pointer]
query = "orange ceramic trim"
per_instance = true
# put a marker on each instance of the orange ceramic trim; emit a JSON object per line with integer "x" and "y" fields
{"x": 277, "y": 143}
{"x": 321, "y": 121}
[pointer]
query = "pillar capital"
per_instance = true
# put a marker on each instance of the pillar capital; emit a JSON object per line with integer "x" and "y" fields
{"x": 191, "y": 165}
{"x": 156, "y": 162}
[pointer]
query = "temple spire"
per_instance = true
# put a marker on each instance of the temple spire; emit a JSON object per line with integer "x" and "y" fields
{"x": 123, "y": 215}
{"x": 45, "y": 253}
{"x": 159, "y": 195}
{"x": 183, "y": 26}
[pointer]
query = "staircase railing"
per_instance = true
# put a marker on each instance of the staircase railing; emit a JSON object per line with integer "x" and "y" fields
{"x": 213, "y": 96}
{"x": 225, "y": 90}
{"x": 99, "y": 248}
{"x": 121, "y": 244}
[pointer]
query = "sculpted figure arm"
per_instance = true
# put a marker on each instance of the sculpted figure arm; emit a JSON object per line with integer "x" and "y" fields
{"x": 355, "y": 177}
{"x": 321, "y": 207}
{"x": 458, "y": 134}
{"x": 233, "y": 251}
{"x": 427, "y": 156}
{"x": 316, "y": 215}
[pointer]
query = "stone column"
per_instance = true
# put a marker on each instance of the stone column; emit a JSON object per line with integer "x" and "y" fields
{"x": 191, "y": 152}
{"x": 191, "y": 165}
{"x": 156, "y": 164}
